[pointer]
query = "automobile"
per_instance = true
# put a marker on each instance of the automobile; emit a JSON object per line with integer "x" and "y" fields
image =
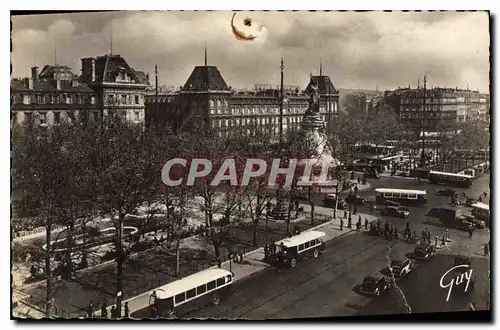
{"x": 479, "y": 224}
{"x": 355, "y": 199}
{"x": 424, "y": 251}
{"x": 392, "y": 203}
{"x": 446, "y": 192}
{"x": 461, "y": 260}
{"x": 404, "y": 174}
{"x": 331, "y": 199}
{"x": 394, "y": 211}
{"x": 375, "y": 284}
{"x": 402, "y": 267}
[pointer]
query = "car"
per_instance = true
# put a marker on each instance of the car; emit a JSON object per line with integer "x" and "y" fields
{"x": 479, "y": 224}
{"x": 330, "y": 201}
{"x": 392, "y": 203}
{"x": 375, "y": 284}
{"x": 461, "y": 260}
{"x": 446, "y": 192}
{"x": 394, "y": 211}
{"x": 355, "y": 200}
{"x": 405, "y": 174}
{"x": 424, "y": 251}
{"x": 402, "y": 267}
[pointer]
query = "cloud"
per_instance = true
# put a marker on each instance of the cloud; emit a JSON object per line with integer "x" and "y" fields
{"x": 359, "y": 50}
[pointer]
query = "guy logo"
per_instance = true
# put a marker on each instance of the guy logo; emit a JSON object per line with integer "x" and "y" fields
{"x": 456, "y": 280}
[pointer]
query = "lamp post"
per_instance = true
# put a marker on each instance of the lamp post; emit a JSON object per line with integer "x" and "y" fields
{"x": 281, "y": 107}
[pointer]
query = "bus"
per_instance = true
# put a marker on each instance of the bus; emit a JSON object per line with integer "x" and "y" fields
{"x": 371, "y": 170}
{"x": 190, "y": 292}
{"x": 452, "y": 179}
{"x": 294, "y": 249}
{"x": 402, "y": 196}
{"x": 481, "y": 211}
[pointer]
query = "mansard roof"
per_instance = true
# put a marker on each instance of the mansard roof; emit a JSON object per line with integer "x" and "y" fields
{"x": 205, "y": 78}
{"x": 108, "y": 66}
{"x": 324, "y": 83}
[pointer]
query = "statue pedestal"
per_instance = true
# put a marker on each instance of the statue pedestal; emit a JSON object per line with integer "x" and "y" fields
{"x": 280, "y": 211}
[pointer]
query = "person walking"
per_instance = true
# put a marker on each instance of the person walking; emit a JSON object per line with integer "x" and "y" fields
{"x": 355, "y": 211}
{"x": 358, "y": 225}
{"x": 470, "y": 231}
{"x": 127, "y": 310}
{"x": 104, "y": 310}
{"x": 114, "y": 309}
{"x": 486, "y": 249}
{"x": 437, "y": 238}
{"x": 443, "y": 241}
{"x": 341, "y": 224}
{"x": 366, "y": 224}
{"x": 90, "y": 309}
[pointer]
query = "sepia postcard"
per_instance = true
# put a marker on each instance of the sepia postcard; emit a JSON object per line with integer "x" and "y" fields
{"x": 264, "y": 165}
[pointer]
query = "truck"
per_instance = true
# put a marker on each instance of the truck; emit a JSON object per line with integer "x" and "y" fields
{"x": 452, "y": 217}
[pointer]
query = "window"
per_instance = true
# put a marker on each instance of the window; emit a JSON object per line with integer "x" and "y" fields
{"x": 412, "y": 196}
{"x": 228, "y": 278}
{"x": 137, "y": 115}
{"x": 396, "y": 195}
{"x": 136, "y": 98}
{"x": 220, "y": 281}
{"x": 210, "y": 285}
{"x": 191, "y": 294}
{"x": 405, "y": 196}
{"x": 388, "y": 195}
{"x": 180, "y": 297}
{"x": 201, "y": 289}
{"x": 111, "y": 99}
{"x": 301, "y": 247}
{"x": 57, "y": 117}
{"x": 43, "y": 118}
{"x": 307, "y": 245}
{"x": 124, "y": 99}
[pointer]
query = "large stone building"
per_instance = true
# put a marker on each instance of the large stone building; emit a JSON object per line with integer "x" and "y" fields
{"x": 56, "y": 94}
{"x": 442, "y": 105}
{"x": 207, "y": 98}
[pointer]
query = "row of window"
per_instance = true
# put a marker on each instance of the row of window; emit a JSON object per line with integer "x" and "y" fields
{"x": 309, "y": 244}
{"x": 202, "y": 289}
{"x": 123, "y": 99}
{"x": 398, "y": 195}
{"x": 52, "y": 99}
{"x": 256, "y": 121}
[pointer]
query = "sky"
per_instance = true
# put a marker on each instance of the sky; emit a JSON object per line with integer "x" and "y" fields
{"x": 369, "y": 50}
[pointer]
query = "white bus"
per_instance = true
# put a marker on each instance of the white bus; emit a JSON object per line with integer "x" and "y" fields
{"x": 194, "y": 290}
{"x": 481, "y": 211}
{"x": 402, "y": 196}
{"x": 453, "y": 179}
{"x": 293, "y": 249}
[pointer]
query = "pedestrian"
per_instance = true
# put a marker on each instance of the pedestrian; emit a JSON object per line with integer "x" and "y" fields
{"x": 219, "y": 263}
{"x": 104, "y": 310}
{"x": 447, "y": 232}
{"x": 443, "y": 241}
{"x": 395, "y": 233}
{"x": 470, "y": 231}
{"x": 266, "y": 250}
{"x": 127, "y": 310}
{"x": 437, "y": 238}
{"x": 356, "y": 189}
{"x": 358, "y": 226}
{"x": 90, "y": 309}
{"x": 341, "y": 224}
{"x": 424, "y": 235}
{"x": 486, "y": 249}
{"x": 355, "y": 210}
{"x": 366, "y": 224}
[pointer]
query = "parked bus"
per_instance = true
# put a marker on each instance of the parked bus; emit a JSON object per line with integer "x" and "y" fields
{"x": 402, "y": 196}
{"x": 192, "y": 291}
{"x": 294, "y": 249}
{"x": 452, "y": 179}
{"x": 481, "y": 211}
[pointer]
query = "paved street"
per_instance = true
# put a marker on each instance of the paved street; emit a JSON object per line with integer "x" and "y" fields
{"x": 327, "y": 287}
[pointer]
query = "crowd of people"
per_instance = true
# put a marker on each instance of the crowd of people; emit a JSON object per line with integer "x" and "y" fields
{"x": 113, "y": 314}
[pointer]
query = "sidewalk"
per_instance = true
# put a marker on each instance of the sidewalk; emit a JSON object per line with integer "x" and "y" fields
{"x": 252, "y": 263}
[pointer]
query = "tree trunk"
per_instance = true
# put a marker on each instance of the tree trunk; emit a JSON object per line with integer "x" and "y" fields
{"x": 289, "y": 216}
{"x": 120, "y": 260}
{"x": 177, "y": 256}
{"x": 311, "y": 203}
{"x": 48, "y": 272}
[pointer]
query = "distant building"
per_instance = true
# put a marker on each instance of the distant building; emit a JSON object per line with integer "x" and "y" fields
{"x": 206, "y": 98}
{"x": 56, "y": 94}
{"x": 442, "y": 105}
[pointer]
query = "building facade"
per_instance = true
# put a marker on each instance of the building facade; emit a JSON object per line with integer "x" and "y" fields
{"x": 56, "y": 94}
{"x": 420, "y": 109}
{"x": 206, "y": 97}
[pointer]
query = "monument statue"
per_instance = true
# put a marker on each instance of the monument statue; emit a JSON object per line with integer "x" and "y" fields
{"x": 314, "y": 99}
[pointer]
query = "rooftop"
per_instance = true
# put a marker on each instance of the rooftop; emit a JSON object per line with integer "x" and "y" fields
{"x": 205, "y": 78}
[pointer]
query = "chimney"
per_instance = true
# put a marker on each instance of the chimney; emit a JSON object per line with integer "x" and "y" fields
{"x": 34, "y": 73}
{"x": 93, "y": 69}
{"x": 31, "y": 83}
{"x": 58, "y": 82}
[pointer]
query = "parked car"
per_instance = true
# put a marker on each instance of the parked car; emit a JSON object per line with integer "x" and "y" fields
{"x": 479, "y": 224}
{"x": 424, "y": 251}
{"x": 355, "y": 200}
{"x": 394, "y": 211}
{"x": 434, "y": 212}
{"x": 446, "y": 192}
{"x": 375, "y": 284}
{"x": 331, "y": 200}
{"x": 402, "y": 267}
